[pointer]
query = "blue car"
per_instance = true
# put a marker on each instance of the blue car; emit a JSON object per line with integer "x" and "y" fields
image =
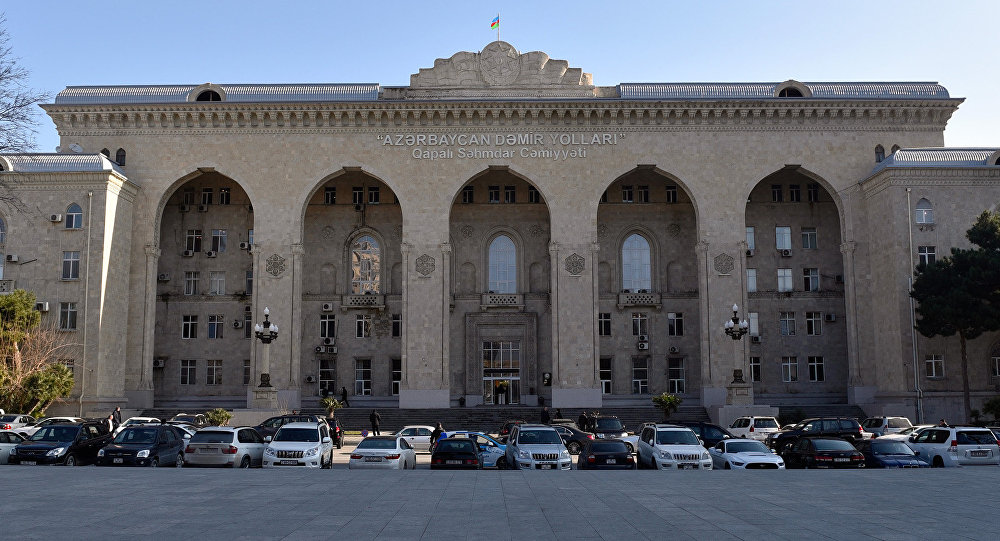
{"x": 491, "y": 452}
{"x": 889, "y": 454}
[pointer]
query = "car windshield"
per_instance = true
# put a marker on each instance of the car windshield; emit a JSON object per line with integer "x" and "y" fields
{"x": 296, "y": 434}
{"x": 609, "y": 425}
{"x": 185, "y": 418}
{"x": 872, "y": 423}
{"x": 377, "y": 444}
{"x": 676, "y": 437}
{"x": 891, "y": 448}
{"x": 608, "y": 447}
{"x": 56, "y": 433}
{"x": 765, "y": 423}
{"x": 977, "y": 437}
{"x": 533, "y": 437}
{"x": 137, "y": 421}
{"x": 746, "y": 447}
{"x": 833, "y": 445}
{"x": 212, "y": 436}
{"x": 136, "y": 435}
{"x": 456, "y": 446}
{"x": 8, "y": 418}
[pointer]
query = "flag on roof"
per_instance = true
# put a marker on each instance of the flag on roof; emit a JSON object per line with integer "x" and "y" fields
{"x": 495, "y": 23}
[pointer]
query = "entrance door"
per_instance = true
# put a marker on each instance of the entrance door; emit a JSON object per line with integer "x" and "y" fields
{"x": 501, "y": 372}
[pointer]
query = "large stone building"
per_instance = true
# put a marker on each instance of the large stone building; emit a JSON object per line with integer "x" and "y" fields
{"x": 500, "y": 231}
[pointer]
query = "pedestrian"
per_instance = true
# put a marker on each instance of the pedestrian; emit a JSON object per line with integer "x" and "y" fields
{"x": 375, "y": 419}
{"x": 559, "y": 413}
{"x": 110, "y": 422}
{"x": 581, "y": 421}
{"x": 435, "y": 436}
{"x": 343, "y": 397}
{"x": 943, "y": 424}
{"x": 545, "y": 415}
{"x": 117, "y": 416}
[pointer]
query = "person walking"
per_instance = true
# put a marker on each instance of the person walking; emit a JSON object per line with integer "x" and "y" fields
{"x": 435, "y": 436}
{"x": 559, "y": 413}
{"x": 545, "y": 416}
{"x": 343, "y": 397}
{"x": 375, "y": 419}
{"x": 110, "y": 421}
{"x": 581, "y": 421}
{"x": 117, "y": 416}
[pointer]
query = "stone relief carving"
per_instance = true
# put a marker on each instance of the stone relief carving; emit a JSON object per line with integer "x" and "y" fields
{"x": 575, "y": 264}
{"x": 536, "y": 230}
{"x": 500, "y": 63}
{"x": 724, "y": 263}
{"x": 674, "y": 230}
{"x": 425, "y": 265}
{"x": 328, "y": 233}
{"x": 467, "y": 231}
{"x": 398, "y": 232}
{"x": 382, "y": 325}
{"x": 602, "y": 230}
{"x": 275, "y": 265}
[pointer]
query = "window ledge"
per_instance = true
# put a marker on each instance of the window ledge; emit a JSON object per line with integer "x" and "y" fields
{"x": 362, "y": 301}
{"x": 501, "y": 300}
{"x": 69, "y": 279}
{"x": 639, "y": 299}
{"x": 72, "y": 229}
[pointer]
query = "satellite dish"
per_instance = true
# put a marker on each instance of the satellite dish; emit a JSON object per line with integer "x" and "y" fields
{"x": 75, "y": 147}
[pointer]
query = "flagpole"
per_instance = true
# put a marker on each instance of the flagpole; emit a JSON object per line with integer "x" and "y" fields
{"x": 498, "y": 26}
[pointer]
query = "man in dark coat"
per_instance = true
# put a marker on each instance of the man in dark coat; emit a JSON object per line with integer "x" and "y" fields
{"x": 545, "y": 415}
{"x": 117, "y": 416}
{"x": 343, "y": 397}
{"x": 435, "y": 436}
{"x": 583, "y": 421}
{"x": 375, "y": 418}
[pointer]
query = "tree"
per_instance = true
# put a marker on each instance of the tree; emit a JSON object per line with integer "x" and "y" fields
{"x": 31, "y": 376}
{"x": 960, "y": 294}
{"x": 667, "y": 403}
{"x": 17, "y": 101}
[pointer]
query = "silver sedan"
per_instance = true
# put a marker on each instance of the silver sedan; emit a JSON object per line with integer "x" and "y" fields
{"x": 384, "y": 453}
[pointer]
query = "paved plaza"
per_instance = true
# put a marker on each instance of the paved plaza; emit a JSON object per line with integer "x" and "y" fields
{"x": 113, "y": 503}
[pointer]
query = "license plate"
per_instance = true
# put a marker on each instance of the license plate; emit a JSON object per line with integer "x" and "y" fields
{"x": 841, "y": 460}
{"x": 689, "y": 466}
{"x": 289, "y": 462}
{"x": 28, "y": 462}
{"x": 546, "y": 466}
{"x": 116, "y": 461}
{"x": 373, "y": 459}
{"x": 612, "y": 461}
{"x": 979, "y": 453}
{"x": 452, "y": 461}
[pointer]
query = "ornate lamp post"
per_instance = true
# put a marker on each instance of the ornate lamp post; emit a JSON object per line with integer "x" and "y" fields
{"x": 266, "y": 332}
{"x": 739, "y": 392}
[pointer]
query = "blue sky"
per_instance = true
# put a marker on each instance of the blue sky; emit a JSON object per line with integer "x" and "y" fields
{"x": 67, "y": 43}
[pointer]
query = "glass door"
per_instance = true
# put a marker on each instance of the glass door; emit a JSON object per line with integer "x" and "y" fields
{"x": 501, "y": 372}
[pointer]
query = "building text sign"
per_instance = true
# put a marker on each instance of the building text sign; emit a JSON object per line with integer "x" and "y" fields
{"x": 532, "y": 145}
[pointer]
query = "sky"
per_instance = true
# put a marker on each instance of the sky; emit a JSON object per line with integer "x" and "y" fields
{"x": 68, "y": 43}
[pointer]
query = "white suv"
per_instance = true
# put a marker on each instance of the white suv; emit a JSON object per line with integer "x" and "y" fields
{"x": 536, "y": 447}
{"x": 948, "y": 446}
{"x": 882, "y": 426}
{"x": 300, "y": 444}
{"x": 671, "y": 447}
{"x": 754, "y": 428}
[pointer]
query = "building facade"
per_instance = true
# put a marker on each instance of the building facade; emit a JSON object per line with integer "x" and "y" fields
{"x": 502, "y": 231}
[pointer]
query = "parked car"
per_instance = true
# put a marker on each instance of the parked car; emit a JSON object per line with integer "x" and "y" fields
{"x": 300, "y": 444}
{"x": 744, "y": 454}
{"x": 883, "y": 453}
{"x": 135, "y": 421}
{"x": 383, "y": 452}
{"x": 822, "y": 452}
{"x": 418, "y": 436}
{"x": 610, "y": 427}
{"x": 605, "y": 454}
{"x": 905, "y": 434}
{"x": 844, "y": 428}
{"x": 27, "y": 430}
{"x": 573, "y": 437}
{"x": 755, "y": 428}
{"x": 562, "y": 421}
{"x": 491, "y": 451}
{"x": 271, "y": 425}
{"x": 504, "y": 431}
{"x": 880, "y": 426}
{"x": 227, "y": 446}
{"x": 196, "y": 420}
{"x": 956, "y": 446}
{"x": 456, "y": 454}
{"x": 14, "y": 421}
{"x": 537, "y": 447}
{"x": 144, "y": 445}
{"x": 709, "y": 434}
{"x": 671, "y": 447}
{"x": 72, "y": 445}
{"x": 8, "y": 440}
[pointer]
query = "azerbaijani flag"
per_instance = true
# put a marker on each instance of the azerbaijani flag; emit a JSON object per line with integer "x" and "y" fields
{"x": 495, "y": 23}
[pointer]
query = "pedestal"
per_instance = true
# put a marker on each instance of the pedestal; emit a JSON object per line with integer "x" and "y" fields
{"x": 264, "y": 398}
{"x": 739, "y": 394}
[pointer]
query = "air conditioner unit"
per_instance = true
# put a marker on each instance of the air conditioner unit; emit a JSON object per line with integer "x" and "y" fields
{"x": 329, "y": 341}
{"x": 674, "y": 349}
{"x": 211, "y": 253}
{"x": 11, "y": 258}
{"x": 237, "y": 324}
{"x": 244, "y": 246}
{"x": 163, "y": 277}
{"x": 331, "y": 349}
{"x": 751, "y": 252}
{"x": 310, "y": 379}
{"x": 644, "y": 338}
{"x": 786, "y": 253}
{"x": 42, "y": 306}
{"x": 55, "y": 218}
{"x": 188, "y": 253}
{"x": 185, "y": 208}
{"x": 755, "y": 339}
{"x": 643, "y": 345}
{"x": 642, "y": 291}
{"x": 320, "y": 349}
{"x": 831, "y": 317}
{"x": 159, "y": 363}
{"x": 327, "y": 306}
{"x": 202, "y": 208}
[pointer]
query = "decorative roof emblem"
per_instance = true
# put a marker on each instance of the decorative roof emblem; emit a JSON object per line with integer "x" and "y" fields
{"x": 500, "y": 63}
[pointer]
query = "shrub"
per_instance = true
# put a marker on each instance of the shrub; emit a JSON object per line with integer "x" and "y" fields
{"x": 667, "y": 403}
{"x": 218, "y": 417}
{"x": 331, "y": 404}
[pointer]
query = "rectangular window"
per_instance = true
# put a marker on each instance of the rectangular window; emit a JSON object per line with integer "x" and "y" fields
{"x": 627, "y": 196}
{"x": 753, "y": 318}
{"x": 808, "y": 238}
{"x": 67, "y": 316}
{"x": 224, "y": 196}
{"x": 640, "y": 375}
{"x": 192, "y": 241}
{"x": 363, "y": 326}
{"x": 219, "y": 240}
{"x": 188, "y": 197}
{"x": 814, "y": 323}
{"x": 206, "y": 196}
{"x": 397, "y": 325}
{"x": 327, "y": 326}
{"x": 642, "y": 194}
{"x": 374, "y": 197}
{"x": 247, "y": 324}
{"x": 816, "y": 369}
{"x": 934, "y": 366}
{"x": 605, "y": 375}
{"x": 640, "y": 323}
{"x": 250, "y": 237}
{"x": 247, "y": 375}
{"x": 189, "y": 327}
{"x": 249, "y": 282}
{"x": 671, "y": 193}
{"x": 191, "y": 282}
{"x": 755, "y": 369}
{"x": 363, "y": 377}
{"x": 357, "y": 195}
{"x": 794, "y": 193}
{"x": 215, "y": 325}
{"x": 776, "y": 194}
{"x": 509, "y": 194}
{"x": 751, "y": 280}
{"x": 810, "y": 279}
{"x": 789, "y": 369}
{"x": 71, "y": 266}
{"x": 330, "y": 195}
{"x": 785, "y": 280}
{"x": 468, "y": 195}
{"x": 213, "y": 372}
{"x": 493, "y": 193}
{"x": 217, "y": 283}
{"x": 188, "y": 367}
{"x": 751, "y": 239}
{"x": 675, "y": 375}
{"x": 926, "y": 255}
{"x": 996, "y": 367}
{"x": 675, "y": 324}
{"x": 783, "y": 238}
{"x": 787, "y": 323}
{"x": 533, "y": 195}
{"x": 70, "y": 364}
{"x": 604, "y": 324}
{"x": 813, "y": 192}
{"x": 397, "y": 376}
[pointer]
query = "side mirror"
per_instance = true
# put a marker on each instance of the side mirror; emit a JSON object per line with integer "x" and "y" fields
{"x": 186, "y": 436}
{"x": 327, "y": 439}
{"x": 267, "y": 439}
{"x": 916, "y": 453}
{"x": 725, "y": 436}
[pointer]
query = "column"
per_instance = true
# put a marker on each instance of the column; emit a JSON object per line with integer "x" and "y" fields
{"x": 425, "y": 320}
{"x": 574, "y": 352}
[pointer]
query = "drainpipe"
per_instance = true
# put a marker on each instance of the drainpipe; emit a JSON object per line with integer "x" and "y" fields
{"x": 86, "y": 299}
{"x": 919, "y": 393}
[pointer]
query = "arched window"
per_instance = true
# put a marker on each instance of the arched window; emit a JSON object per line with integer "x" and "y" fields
{"x": 74, "y": 217}
{"x": 879, "y": 153}
{"x": 106, "y": 152}
{"x": 925, "y": 212}
{"x": 120, "y": 156}
{"x": 503, "y": 265}
{"x": 894, "y": 149}
{"x": 997, "y": 162}
{"x": 635, "y": 263}
{"x": 209, "y": 95}
{"x": 790, "y": 92}
{"x": 366, "y": 265}
{"x": 3, "y": 231}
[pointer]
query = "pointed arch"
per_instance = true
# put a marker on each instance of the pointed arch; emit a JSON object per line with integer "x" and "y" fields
{"x": 879, "y": 153}
{"x": 120, "y": 157}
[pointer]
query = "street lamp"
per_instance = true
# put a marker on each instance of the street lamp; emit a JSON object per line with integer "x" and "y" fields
{"x": 736, "y": 330}
{"x": 266, "y": 332}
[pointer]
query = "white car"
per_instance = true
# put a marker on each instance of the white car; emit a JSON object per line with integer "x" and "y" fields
{"x": 300, "y": 444}
{"x": 228, "y": 446}
{"x": 13, "y": 421}
{"x": 755, "y": 428}
{"x": 949, "y": 446}
{"x": 881, "y": 426}
{"x": 28, "y": 430}
{"x": 671, "y": 447}
{"x": 136, "y": 421}
{"x": 384, "y": 453}
{"x": 744, "y": 454}
{"x": 418, "y": 436}
{"x": 906, "y": 433}
{"x": 8, "y": 441}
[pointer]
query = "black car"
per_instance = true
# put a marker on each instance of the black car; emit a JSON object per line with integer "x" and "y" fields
{"x": 144, "y": 445}
{"x": 573, "y": 437}
{"x": 822, "y": 453}
{"x": 504, "y": 430}
{"x": 72, "y": 445}
{"x": 889, "y": 454}
{"x": 456, "y": 454}
{"x": 608, "y": 427}
{"x": 270, "y": 426}
{"x": 196, "y": 420}
{"x": 844, "y": 428}
{"x": 605, "y": 454}
{"x": 709, "y": 433}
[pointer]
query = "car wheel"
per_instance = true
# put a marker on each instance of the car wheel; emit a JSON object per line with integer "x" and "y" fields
{"x": 153, "y": 462}
{"x": 630, "y": 448}
{"x": 179, "y": 461}
{"x": 502, "y": 463}
{"x": 937, "y": 463}
{"x": 71, "y": 460}
{"x": 574, "y": 448}
{"x": 245, "y": 463}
